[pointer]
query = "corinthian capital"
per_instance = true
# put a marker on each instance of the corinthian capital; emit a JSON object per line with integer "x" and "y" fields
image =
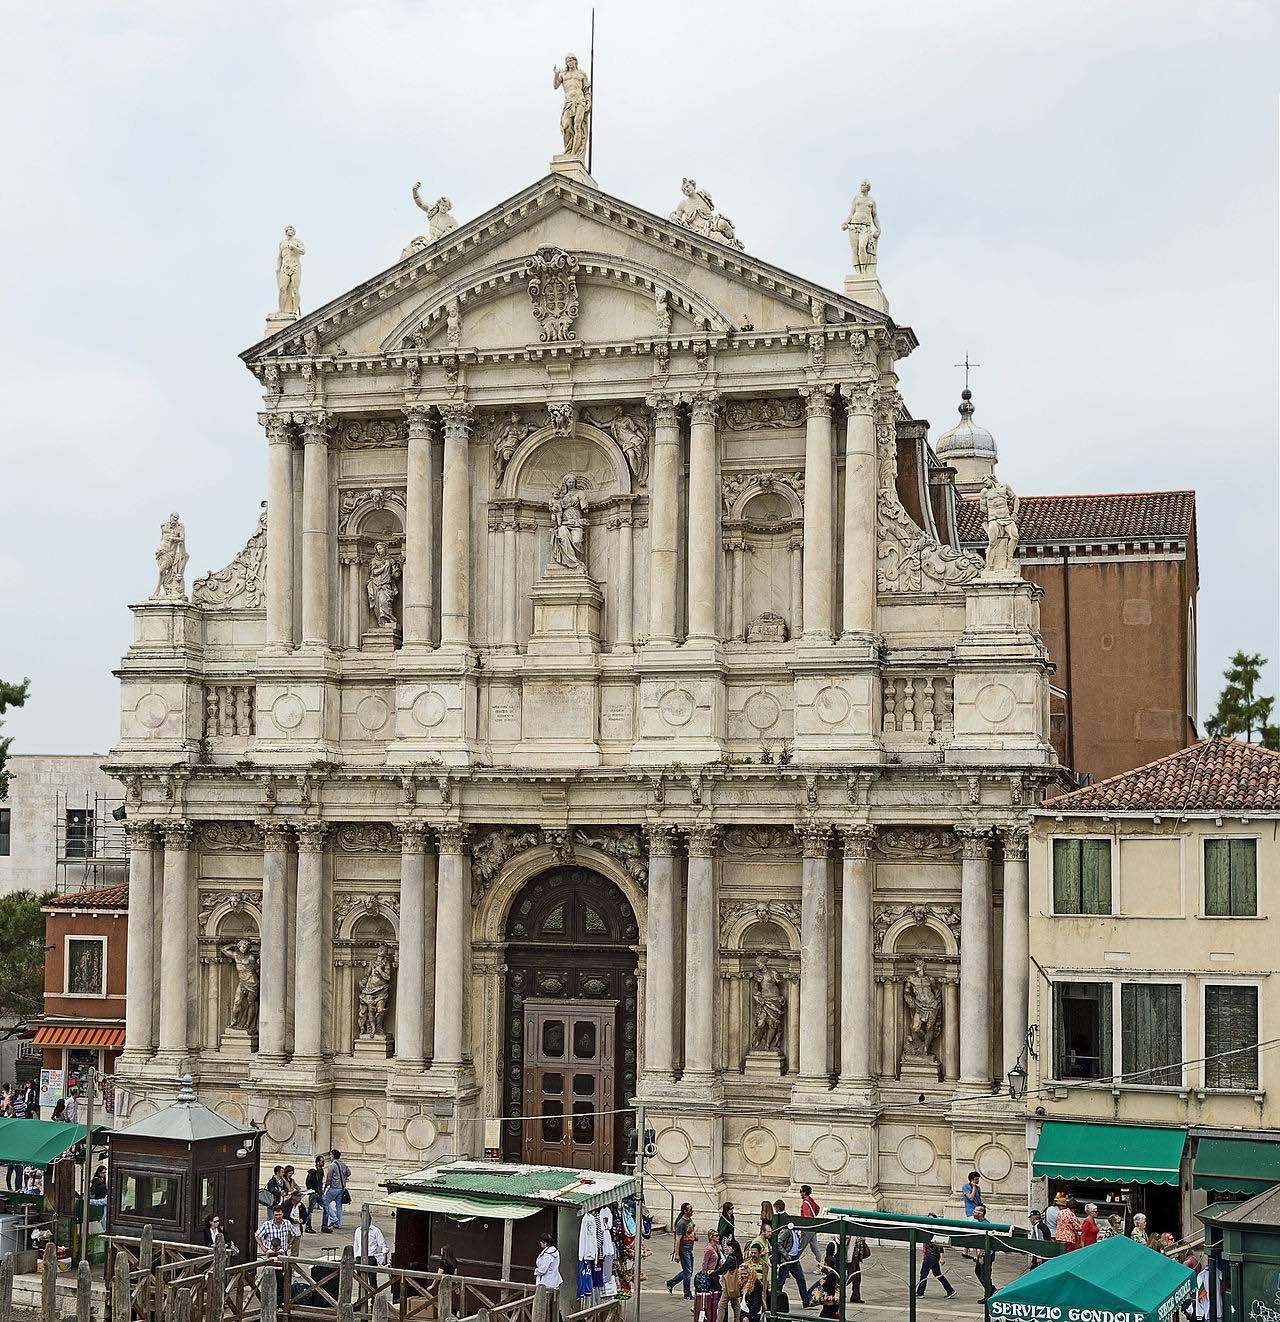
{"x": 275, "y": 834}
{"x": 815, "y": 838}
{"x": 662, "y": 840}
{"x": 316, "y": 427}
{"x": 177, "y": 833}
{"x": 413, "y": 836}
{"x": 702, "y": 841}
{"x": 704, "y": 406}
{"x": 1014, "y": 840}
{"x": 817, "y": 401}
{"x": 975, "y": 841}
{"x": 278, "y": 427}
{"x": 664, "y": 411}
{"x": 453, "y": 838}
{"x": 140, "y": 834}
{"x": 457, "y": 420}
{"x": 419, "y": 416}
{"x": 858, "y": 840}
{"x": 311, "y": 836}
{"x": 862, "y": 397}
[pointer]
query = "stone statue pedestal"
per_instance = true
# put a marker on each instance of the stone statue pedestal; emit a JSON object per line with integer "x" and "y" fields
{"x": 237, "y": 1042}
{"x": 276, "y": 322}
{"x": 371, "y": 1050}
{"x": 865, "y": 289}
{"x": 919, "y": 1071}
{"x": 763, "y": 1065}
{"x": 572, "y": 167}
{"x": 567, "y": 607}
{"x": 381, "y": 639}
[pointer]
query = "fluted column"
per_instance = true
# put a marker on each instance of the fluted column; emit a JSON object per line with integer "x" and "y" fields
{"x": 279, "y": 530}
{"x": 309, "y": 956}
{"x": 795, "y": 555}
{"x": 818, "y": 505}
{"x": 662, "y": 989}
{"x": 453, "y": 912}
{"x": 857, "y": 962}
{"x": 703, "y": 520}
{"x": 737, "y": 626}
{"x": 315, "y": 530}
{"x": 510, "y": 576}
{"x": 411, "y": 977}
{"x": 859, "y": 614}
{"x": 975, "y": 957}
{"x": 815, "y": 970}
{"x": 1015, "y": 976}
{"x": 175, "y": 968}
{"x": 625, "y": 629}
{"x": 273, "y": 952}
{"x": 455, "y": 539}
{"x": 700, "y": 950}
{"x": 419, "y": 533}
{"x": 664, "y": 504}
{"x": 139, "y": 1012}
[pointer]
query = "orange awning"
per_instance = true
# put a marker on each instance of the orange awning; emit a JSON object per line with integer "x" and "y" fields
{"x": 67, "y": 1035}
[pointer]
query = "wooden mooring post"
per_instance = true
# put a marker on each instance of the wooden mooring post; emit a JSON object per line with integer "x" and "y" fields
{"x": 49, "y": 1284}
{"x": 267, "y": 1277}
{"x": 6, "y": 1288}
{"x": 121, "y": 1301}
{"x": 84, "y": 1292}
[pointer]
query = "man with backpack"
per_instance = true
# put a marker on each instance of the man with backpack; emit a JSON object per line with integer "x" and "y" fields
{"x": 787, "y": 1239}
{"x": 335, "y": 1192}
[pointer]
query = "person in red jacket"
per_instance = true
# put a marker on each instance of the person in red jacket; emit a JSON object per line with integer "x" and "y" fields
{"x": 1089, "y": 1226}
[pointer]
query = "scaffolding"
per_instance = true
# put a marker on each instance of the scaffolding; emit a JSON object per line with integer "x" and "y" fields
{"x": 90, "y": 848}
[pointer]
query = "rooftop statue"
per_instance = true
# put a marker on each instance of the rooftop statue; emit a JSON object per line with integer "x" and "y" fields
{"x": 696, "y": 212}
{"x": 171, "y": 561}
{"x": 439, "y": 219}
{"x": 863, "y": 226}
{"x": 575, "y": 118}
{"x": 289, "y": 273}
{"x": 999, "y": 506}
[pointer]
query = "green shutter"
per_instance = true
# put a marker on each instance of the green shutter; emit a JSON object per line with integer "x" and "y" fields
{"x": 1066, "y": 876}
{"x": 1244, "y": 878}
{"x": 1097, "y": 877}
{"x": 1217, "y": 878}
{"x": 1230, "y": 1025}
{"x": 1151, "y": 1033}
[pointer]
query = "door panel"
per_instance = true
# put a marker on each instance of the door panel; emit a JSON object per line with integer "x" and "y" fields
{"x": 569, "y": 1081}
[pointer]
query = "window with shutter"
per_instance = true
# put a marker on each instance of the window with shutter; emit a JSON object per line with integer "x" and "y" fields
{"x": 1231, "y": 878}
{"x": 1081, "y": 1030}
{"x": 1082, "y": 876}
{"x": 1231, "y": 1036}
{"x": 1151, "y": 1033}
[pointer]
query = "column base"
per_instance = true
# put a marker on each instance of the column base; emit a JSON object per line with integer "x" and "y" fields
{"x": 808, "y": 1091}
{"x": 176, "y": 1063}
{"x": 699, "y": 1085}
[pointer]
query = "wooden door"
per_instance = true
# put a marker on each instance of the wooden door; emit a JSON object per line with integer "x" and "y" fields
{"x": 569, "y": 1079}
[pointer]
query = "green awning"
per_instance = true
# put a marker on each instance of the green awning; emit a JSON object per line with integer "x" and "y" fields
{"x": 1129, "y": 1154}
{"x": 38, "y": 1142}
{"x": 1114, "y": 1278}
{"x": 1236, "y": 1165}
{"x": 460, "y": 1207}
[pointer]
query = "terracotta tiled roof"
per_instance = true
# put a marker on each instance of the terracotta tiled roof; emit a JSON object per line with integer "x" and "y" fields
{"x": 1124, "y": 516}
{"x": 1215, "y": 775}
{"x": 105, "y": 897}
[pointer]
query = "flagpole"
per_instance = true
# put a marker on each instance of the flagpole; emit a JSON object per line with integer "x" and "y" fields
{"x": 591, "y": 78}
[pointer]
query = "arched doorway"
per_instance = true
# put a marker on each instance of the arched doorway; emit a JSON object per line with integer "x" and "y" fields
{"x": 569, "y": 1056}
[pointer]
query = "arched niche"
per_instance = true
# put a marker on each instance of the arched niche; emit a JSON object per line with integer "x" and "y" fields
{"x": 763, "y": 529}
{"x": 366, "y": 518}
{"x": 371, "y": 932}
{"x": 765, "y": 936}
{"x": 228, "y": 924}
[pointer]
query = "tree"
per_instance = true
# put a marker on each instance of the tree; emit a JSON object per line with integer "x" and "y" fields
{"x": 11, "y": 695}
{"x": 1241, "y": 711}
{"x": 21, "y": 956}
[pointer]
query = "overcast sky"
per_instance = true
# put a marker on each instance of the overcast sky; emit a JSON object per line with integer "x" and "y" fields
{"x": 1083, "y": 196}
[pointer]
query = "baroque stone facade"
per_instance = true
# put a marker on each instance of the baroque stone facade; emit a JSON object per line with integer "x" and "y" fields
{"x": 604, "y": 663}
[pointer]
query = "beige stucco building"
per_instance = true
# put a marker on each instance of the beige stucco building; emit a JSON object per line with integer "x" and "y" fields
{"x": 1153, "y": 989}
{"x": 603, "y": 660}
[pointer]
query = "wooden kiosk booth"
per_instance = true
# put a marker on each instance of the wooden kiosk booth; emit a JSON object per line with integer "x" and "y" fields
{"x": 172, "y": 1169}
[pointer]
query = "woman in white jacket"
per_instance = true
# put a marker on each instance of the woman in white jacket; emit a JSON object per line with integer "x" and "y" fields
{"x": 546, "y": 1270}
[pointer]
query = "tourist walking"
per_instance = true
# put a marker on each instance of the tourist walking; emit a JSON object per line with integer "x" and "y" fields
{"x": 766, "y": 1222}
{"x": 1040, "y": 1231}
{"x": 755, "y": 1272}
{"x": 810, "y": 1208}
{"x": 336, "y": 1175}
{"x": 275, "y": 1186}
{"x": 931, "y": 1265}
{"x": 857, "y": 1251}
{"x": 315, "y": 1192}
{"x": 686, "y": 1235}
{"x": 732, "y": 1280}
{"x": 1089, "y": 1229}
{"x": 1067, "y": 1231}
{"x": 275, "y": 1238}
{"x": 984, "y": 1258}
{"x": 725, "y": 1227}
{"x": 546, "y": 1271}
{"x": 706, "y": 1284}
{"x": 787, "y": 1239}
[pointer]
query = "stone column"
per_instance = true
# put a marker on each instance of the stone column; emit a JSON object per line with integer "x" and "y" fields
{"x": 412, "y": 975}
{"x": 795, "y": 553}
{"x": 701, "y": 947}
{"x": 859, "y": 615}
{"x": 510, "y": 577}
{"x": 279, "y": 530}
{"x": 815, "y": 972}
{"x": 309, "y": 955}
{"x": 1015, "y": 975}
{"x": 662, "y": 989}
{"x": 737, "y": 626}
{"x": 857, "y": 961}
{"x": 455, "y": 541}
{"x": 703, "y": 520}
{"x": 175, "y": 970}
{"x": 818, "y": 489}
{"x": 975, "y": 957}
{"x": 274, "y": 934}
{"x": 315, "y": 530}
{"x": 664, "y": 506}
{"x": 452, "y": 940}
{"x": 419, "y": 533}
{"x": 625, "y": 638}
{"x": 951, "y": 1031}
{"x": 139, "y": 1012}
{"x": 888, "y": 1025}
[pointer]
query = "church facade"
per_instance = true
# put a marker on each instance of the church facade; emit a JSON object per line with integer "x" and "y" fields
{"x": 602, "y": 714}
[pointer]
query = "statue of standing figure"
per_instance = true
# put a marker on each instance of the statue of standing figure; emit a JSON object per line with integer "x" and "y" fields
{"x": 999, "y": 506}
{"x": 244, "y": 1004}
{"x": 569, "y": 524}
{"x": 375, "y": 992}
{"x": 863, "y": 225}
{"x": 768, "y": 1008}
{"x": 171, "y": 561}
{"x": 289, "y": 274}
{"x": 575, "y": 118}
{"x": 924, "y": 1009}
{"x": 439, "y": 219}
{"x": 384, "y": 571}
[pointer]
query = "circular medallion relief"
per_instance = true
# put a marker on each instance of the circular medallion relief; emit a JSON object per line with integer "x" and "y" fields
{"x": 674, "y": 1146}
{"x": 281, "y": 1125}
{"x": 995, "y": 703}
{"x": 759, "y": 1146}
{"x": 287, "y": 711}
{"x": 141, "y": 1110}
{"x": 372, "y": 712}
{"x": 363, "y": 1124}
{"x": 994, "y": 1162}
{"x": 829, "y": 1154}
{"x": 420, "y": 1133}
{"x": 762, "y": 710}
{"x": 428, "y": 709}
{"x": 916, "y": 1155}
{"x": 832, "y": 705}
{"x": 676, "y": 707}
{"x": 152, "y": 711}
{"x": 232, "y": 1111}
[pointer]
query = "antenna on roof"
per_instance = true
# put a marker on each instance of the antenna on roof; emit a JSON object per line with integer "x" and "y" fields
{"x": 591, "y": 79}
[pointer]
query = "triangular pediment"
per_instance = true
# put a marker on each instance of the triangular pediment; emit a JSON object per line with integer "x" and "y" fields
{"x": 624, "y": 257}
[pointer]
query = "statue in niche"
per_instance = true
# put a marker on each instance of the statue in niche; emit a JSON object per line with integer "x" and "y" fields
{"x": 575, "y": 118}
{"x": 439, "y": 221}
{"x": 569, "y": 524}
{"x": 453, "y": 324}
{"x": 375, "y": 992}
{"x": 630, "y": 436}
{"x": 289, "y": 274}
{"x": 696, "y": 212}
{"x": 171, "y": 561}
{"x": 923, "y": 1000}
{"x": 768, "y": 1008}
{"x": 506, "y": 442}
{"x": 863, "y": 226}
{"x": 384, "y": 571}
{"x": 244, "y": 1004}
{"x": 999, "y": 508}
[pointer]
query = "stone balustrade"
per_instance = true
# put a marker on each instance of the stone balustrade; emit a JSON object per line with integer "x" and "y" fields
{"x": 917, "y": 704}
{"x": 229, "y": 710}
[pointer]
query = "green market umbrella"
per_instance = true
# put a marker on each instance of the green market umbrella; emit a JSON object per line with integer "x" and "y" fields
{"x": 1114, "y": 1280}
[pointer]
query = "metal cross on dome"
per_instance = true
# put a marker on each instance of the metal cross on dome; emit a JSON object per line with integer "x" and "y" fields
{"x": 968, "y": 366}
